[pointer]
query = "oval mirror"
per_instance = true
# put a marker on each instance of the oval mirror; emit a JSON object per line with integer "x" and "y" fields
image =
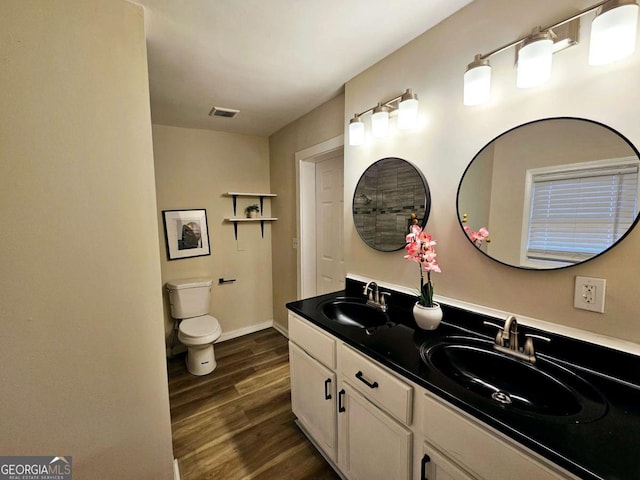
{"x": 390, "y": 194}
{"x": 551, "y": 193}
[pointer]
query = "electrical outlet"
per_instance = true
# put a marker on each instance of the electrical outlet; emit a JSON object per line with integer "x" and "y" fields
{"x": 589, "y": 294}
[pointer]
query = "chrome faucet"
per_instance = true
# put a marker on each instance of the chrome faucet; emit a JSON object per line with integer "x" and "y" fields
{"x": 507, "y": 340}
{"x": 375, "y": 297}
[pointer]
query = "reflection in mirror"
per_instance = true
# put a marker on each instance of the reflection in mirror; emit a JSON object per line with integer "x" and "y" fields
{"x": 387, "y": 195}
{"x": 551, "y": 193}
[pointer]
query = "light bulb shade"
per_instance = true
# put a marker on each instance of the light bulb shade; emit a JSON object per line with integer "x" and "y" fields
{"x": 408, "y": 110}
{"x": 613, "y": 32}
{"x": 534, "y": 61}
{"x": 356, "y": 131}
{"x": 477, "y": 82}
{"x": 380, "y": 121}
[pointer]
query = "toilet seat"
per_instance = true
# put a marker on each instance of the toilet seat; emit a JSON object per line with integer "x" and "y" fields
{"x": 199, "y": 330}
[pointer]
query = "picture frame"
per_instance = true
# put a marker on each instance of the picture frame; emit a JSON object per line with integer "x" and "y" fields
{"x": 186, "y": 233}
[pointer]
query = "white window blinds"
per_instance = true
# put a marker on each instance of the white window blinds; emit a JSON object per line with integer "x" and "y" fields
{"x": 581, "y": 210}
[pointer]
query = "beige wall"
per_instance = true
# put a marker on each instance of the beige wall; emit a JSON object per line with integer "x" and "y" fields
{"x": 323, "y": 123}
{"x": 451, "y": 134}
{"x": 193, "y": 170}
{"x": 83, "y": 370}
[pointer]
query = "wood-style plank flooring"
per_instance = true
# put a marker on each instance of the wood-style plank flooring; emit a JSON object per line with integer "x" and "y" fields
{"x": 236, "y": 423}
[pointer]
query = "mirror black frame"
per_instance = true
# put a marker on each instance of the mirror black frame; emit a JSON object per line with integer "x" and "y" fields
{"x": 427, "y": 204}
{"x": 460, "y": 215}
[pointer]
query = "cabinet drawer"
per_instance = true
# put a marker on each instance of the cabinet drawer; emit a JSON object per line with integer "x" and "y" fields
{"x": 479, "y": 450}
{"x": 316, "y": 343}
{"x": 376, "y": 384}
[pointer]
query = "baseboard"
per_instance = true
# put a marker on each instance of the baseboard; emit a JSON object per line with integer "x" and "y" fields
{"x": 281, "y": 329}
{"x": 245, "y": 331}
{"x": 179, "y": 348}
{"x": 176, "y": 469}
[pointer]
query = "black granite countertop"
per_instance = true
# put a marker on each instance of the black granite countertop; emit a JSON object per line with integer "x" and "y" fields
{"x": 603, "y": 446}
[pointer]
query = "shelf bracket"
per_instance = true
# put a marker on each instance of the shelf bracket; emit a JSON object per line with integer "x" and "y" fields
{"x": 234, "y": 198}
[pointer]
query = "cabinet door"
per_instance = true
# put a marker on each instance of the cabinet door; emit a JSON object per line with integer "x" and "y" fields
{"x": 472, "y": 445}
{"x": 313, "y": 398}
{"x": 372, "y": 444}
{"x": 438, "y": 467}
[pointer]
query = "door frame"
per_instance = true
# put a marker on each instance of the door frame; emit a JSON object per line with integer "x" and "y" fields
{"x": 305, "y": 161}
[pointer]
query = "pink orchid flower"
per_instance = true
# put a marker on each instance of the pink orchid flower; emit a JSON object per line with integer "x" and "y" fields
{"x": 420, "y": 248}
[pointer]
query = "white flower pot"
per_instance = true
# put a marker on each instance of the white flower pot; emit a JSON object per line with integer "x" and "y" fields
{"x": 427, "y": 318}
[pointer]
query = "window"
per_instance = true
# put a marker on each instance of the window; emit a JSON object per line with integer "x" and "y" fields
{"x": 573, "y": 212}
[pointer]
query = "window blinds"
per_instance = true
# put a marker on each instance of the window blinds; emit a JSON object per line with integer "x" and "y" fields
{"x": 577, "y": 214}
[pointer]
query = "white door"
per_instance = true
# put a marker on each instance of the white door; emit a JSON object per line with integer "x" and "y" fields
{"x": 329, "y": 225}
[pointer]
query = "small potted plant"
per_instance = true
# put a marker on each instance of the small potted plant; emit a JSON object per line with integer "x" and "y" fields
{"x": 252, "y": 211}
{"x": 421, "y": 249}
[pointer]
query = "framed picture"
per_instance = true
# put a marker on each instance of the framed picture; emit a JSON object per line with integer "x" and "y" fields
{"x": 186, "y": 233}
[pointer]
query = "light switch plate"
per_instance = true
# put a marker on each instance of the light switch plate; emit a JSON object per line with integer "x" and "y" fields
{"x": 589, "y": 294}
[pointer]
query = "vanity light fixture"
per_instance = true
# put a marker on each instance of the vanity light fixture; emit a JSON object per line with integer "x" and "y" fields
{"x": 356, "y": 131}
{"x": 405, "y": 106}
{"x": 380, "y": 121}
{"x": 477, "y": 81}
{"x": 613, "y": 37}
{"x": 613, "y": 32}
{"x": 407, "y": 110}
{"x": 535, "y": 58}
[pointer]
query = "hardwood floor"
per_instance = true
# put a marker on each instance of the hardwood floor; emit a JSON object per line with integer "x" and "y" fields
{"x": 236, "y": 423}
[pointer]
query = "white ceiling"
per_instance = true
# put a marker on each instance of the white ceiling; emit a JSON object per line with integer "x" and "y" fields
{"x": 274, "y": 60}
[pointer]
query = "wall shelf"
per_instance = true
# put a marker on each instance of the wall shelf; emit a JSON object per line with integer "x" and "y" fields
{"x": 235, "y": 220}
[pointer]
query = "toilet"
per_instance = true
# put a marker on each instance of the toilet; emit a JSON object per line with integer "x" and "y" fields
{"x": 190, "y": 300}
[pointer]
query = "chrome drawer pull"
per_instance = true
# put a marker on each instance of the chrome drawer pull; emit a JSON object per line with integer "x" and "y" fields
{"x": 360, "y": 376}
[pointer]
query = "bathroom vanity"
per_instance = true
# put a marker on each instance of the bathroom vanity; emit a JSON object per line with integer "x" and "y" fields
{"x": 381, "y": 398}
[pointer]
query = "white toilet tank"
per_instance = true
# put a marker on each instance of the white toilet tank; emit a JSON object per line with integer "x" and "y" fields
{"x": 190, "y": 297}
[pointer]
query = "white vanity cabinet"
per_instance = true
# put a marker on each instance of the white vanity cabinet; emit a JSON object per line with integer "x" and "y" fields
{"x": 372, "y": 423}
{"x": 313, "y": 394}
{"x": 312, "y": 360}
{"x": 374, "y": 407}
{"x": 371, "y": 443}
{"x": 435, "y": 466}
{"x": 473, "y": 448}
{"x": 358, "y": 424}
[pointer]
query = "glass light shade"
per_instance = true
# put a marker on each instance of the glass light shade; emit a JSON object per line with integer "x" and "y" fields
{"x": 380, "y": 122}
{"x": 477, "y": 83}
{"x": 408, "y": 112}
{"x": 534, "y": 61}
{"x": 356, "y": 132}
{"x": 613, "y": 33}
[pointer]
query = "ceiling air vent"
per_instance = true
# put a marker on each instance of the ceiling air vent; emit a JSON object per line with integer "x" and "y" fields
{"x": 223, "y": 112}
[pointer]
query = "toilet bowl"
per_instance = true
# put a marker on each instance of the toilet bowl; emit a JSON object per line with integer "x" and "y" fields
{"x": 198, "y": 334}
{"x": 190, "y": 301}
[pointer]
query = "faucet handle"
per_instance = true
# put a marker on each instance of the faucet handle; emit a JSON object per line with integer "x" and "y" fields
{"x": 382, "y": 295}
{"x": 528, "y": 344}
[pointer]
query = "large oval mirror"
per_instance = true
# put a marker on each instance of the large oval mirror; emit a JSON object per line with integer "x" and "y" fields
{"x": 390, "y": 194}
{"x": 550, "y": 193}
